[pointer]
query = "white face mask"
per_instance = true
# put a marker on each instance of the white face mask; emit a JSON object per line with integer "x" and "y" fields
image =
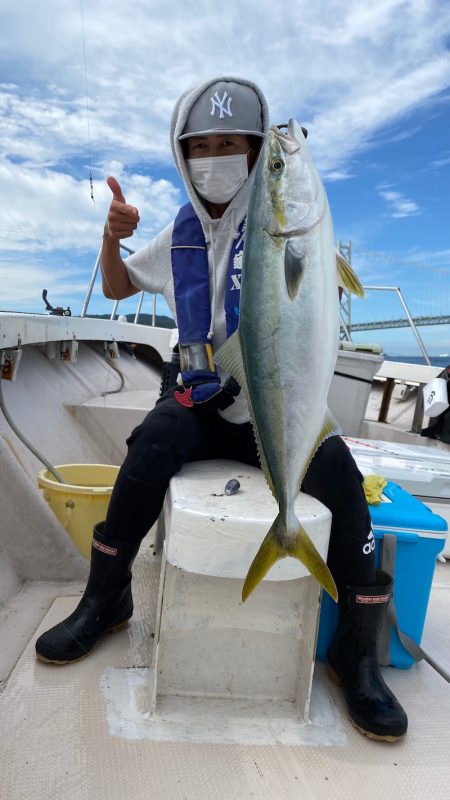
{"x": 218, "y": 178}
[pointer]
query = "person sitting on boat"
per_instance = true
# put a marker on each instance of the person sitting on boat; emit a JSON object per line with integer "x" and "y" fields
{"x": 216, "y": 133}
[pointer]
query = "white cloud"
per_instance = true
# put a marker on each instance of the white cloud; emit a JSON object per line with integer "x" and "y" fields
{"x": 338, "y": 175}
{"x": 398, "y": 205}
{"x": 50, "y": 210}
{"x": 349, "y": 70}
{"x": 22, "y": 280}
{"x": 442, "y": 161}
{"x": 51, "y": 223}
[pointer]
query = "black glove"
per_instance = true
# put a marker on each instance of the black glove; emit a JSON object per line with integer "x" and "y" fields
{"x": 223, "y": 399}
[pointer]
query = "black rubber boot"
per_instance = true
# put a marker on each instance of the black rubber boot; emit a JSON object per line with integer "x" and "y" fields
{"x": 353, "y": 661}
{"x": 106, "y": 605}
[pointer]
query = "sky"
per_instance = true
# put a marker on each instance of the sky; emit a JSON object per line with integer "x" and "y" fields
{"x": 88, "y": 86}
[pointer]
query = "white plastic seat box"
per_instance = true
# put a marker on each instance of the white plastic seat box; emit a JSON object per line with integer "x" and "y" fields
{"x": 209, "y": 643}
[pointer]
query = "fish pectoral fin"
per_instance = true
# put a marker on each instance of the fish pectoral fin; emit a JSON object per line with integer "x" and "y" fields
{"x": 268, "y": 554}
{"x": 294, "y": 268}
{"x": 302, "y": 548}
{"x": 347, "y": 276}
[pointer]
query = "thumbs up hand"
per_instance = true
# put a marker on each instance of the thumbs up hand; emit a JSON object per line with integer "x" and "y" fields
{"x": 122, "y": 219}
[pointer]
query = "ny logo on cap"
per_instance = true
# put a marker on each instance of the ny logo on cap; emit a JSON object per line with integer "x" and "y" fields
{"x": 220, "y": 104}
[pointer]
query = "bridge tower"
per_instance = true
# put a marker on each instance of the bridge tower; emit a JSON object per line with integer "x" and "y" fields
{"x": 346, "y": 251}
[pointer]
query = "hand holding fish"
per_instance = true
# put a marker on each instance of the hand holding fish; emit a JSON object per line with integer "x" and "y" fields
{"x": 122, "y": 219}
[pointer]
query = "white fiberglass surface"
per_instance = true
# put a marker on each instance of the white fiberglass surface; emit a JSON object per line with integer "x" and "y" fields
{"x": 57, "y": 740}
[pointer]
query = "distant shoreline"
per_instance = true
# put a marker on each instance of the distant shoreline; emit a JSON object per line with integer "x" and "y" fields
{"x": 436, "y": 361}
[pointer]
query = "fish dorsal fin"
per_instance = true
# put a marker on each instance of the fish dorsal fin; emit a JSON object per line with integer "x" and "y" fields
{"x": 347, "y": 277}
{"x": 229, "y": 357}
{"x": 294, "y": 268}
{"x": 329, "y": 428}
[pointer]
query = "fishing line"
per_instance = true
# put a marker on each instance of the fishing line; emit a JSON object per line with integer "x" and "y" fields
{"x": 87, "y": 101}
{"x": 89, "y": 129}
{"x": 91, "y": 183}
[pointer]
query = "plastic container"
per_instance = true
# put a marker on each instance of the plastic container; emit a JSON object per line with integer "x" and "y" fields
{"x": 423, "y": 471}
{"x": 350, "y": 388}
{"x": 81, "y": 502}
{"x": 435, "y": 397}
{"x": 420, "y": 538}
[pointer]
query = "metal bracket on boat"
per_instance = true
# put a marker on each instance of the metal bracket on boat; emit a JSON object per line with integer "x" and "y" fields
{"x": 59, "y": 311}
{"x": 9, "y": 363}
{"x": 68, "y": 351}
{"x": 111, "y": 349}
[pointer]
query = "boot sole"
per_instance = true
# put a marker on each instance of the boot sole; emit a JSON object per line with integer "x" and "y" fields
{"x": 114, "y": 629}
{"x": 378, "y": 738}
{"x": 334, "y": 677}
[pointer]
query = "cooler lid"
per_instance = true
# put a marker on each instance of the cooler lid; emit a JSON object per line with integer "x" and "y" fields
{"x": 421, "y": 470}
{"x": 400, "y": 512}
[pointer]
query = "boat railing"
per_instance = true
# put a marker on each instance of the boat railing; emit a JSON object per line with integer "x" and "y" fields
{"x": 115, "y": 307}
{"x": 346, "y": 325}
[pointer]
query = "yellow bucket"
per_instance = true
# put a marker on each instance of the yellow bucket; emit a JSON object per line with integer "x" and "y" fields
{"x": 81, "y": 502}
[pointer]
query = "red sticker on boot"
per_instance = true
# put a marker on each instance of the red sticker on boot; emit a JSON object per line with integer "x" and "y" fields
{"x": 369, "y": 599}
{"x": 109, "y": 551}
{"x": 184, "y": 398}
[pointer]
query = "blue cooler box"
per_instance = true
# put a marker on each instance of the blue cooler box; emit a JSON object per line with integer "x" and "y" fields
{"x": 420, "y": 538}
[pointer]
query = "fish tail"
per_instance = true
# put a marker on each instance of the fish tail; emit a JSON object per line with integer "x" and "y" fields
{"x": 268, "y": 554}
{"x": 272, "y": 551}
{"x": 306, "y": 552}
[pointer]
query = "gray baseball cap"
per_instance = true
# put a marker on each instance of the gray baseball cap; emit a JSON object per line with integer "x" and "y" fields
{"x": 225, "y": 106}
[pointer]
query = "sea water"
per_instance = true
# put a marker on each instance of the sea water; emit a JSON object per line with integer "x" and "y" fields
{"x": 442, "y": 360}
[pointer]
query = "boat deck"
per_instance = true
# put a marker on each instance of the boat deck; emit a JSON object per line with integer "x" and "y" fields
{"x": 83, "y": 731}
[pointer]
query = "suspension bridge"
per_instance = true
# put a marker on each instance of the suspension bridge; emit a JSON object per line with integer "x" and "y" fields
{"x": 434, "y": 284}
{"x": 398, "y": 323}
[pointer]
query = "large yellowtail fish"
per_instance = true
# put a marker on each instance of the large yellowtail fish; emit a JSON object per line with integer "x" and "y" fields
{"x": 284, "y": 351}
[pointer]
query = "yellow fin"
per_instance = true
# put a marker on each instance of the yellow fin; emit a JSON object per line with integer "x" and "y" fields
{"x": 348, "y": 277}
{"x": 229, "y": 357}
{"x": 306, "y": 552}
{"x": 301, "y": 548}
{"x": 329, "y": 428}
{"x": 268, "y": 554}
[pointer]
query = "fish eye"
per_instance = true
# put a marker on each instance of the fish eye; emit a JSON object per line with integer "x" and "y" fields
{"x": 277, "y": 165}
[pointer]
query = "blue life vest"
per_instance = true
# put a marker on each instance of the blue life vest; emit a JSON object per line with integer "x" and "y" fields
{"x": 192, "y": 295}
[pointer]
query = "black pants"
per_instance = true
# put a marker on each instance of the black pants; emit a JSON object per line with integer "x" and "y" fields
{"x": 172, "y": 435}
